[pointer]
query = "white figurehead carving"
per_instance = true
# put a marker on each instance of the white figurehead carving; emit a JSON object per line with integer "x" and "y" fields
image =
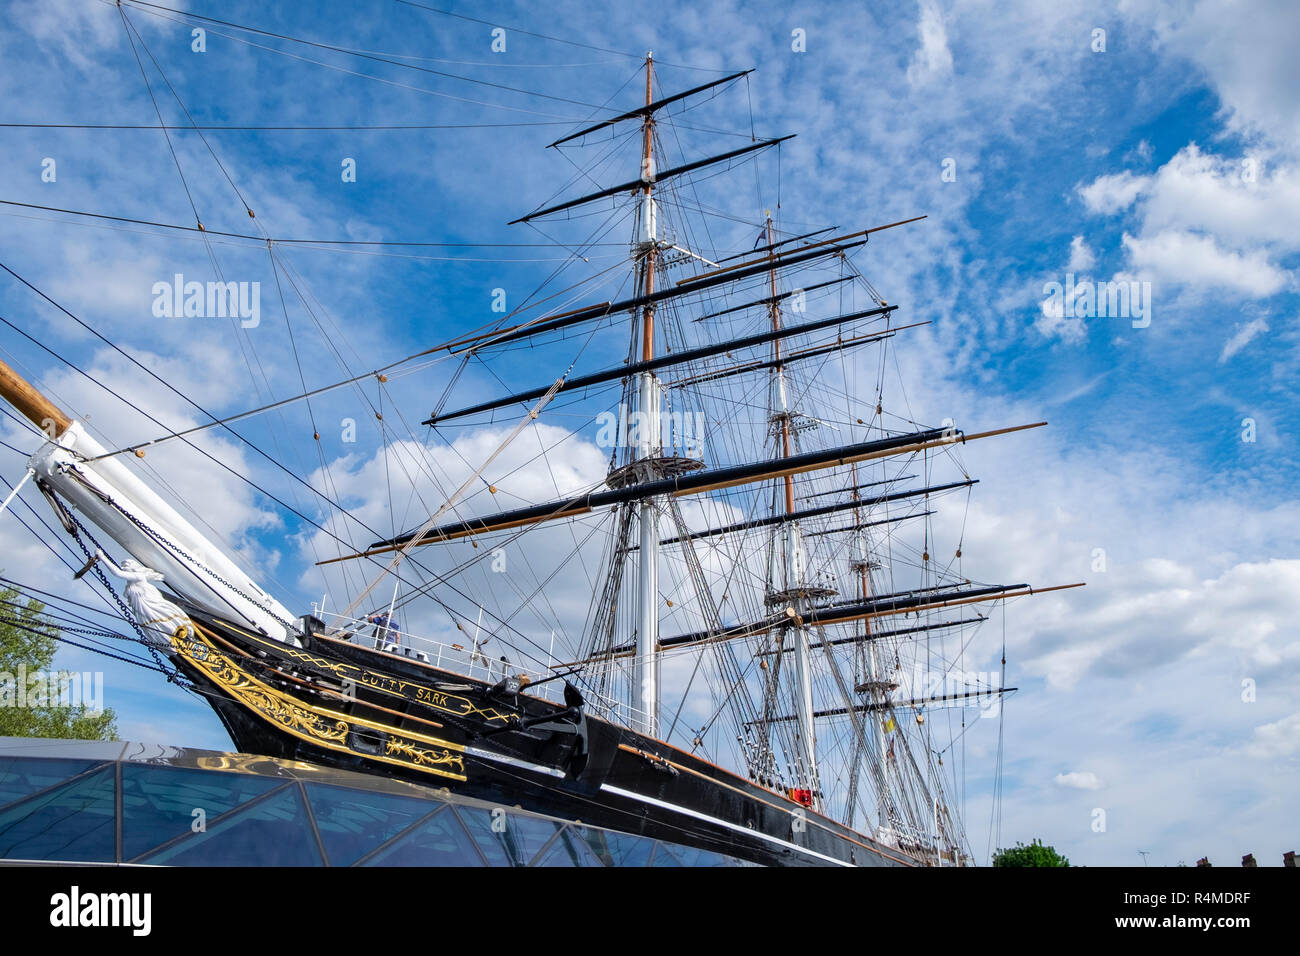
{"x": 158, "y": 617}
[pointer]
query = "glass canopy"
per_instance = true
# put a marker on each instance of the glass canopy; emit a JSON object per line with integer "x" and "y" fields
{"x": 112, "y": 802}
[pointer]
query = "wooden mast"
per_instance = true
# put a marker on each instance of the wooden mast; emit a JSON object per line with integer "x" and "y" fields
{"x": 645, "y": 670}
{"x": 648, "y": 209}
{"x": 794, "y": 583}
{"x": 775, "y": 310}
{"x": 34, "y": 406}
{"x": 873, "y": 684}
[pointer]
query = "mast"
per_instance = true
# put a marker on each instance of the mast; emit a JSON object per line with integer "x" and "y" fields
{"x": 793, "y": 591}
{"x": 646, "y": 668}
{"x": 873, "y": 686}
{"x": 622, "y": 647}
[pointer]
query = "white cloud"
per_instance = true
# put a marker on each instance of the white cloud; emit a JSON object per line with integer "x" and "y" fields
{"x": 1243, "y": 200}
{"x": 1247, "y": 53}
{"x": 1082, "y": 257}
{"x": 1281, "y": 738}
{"x": 933, "y": 58}
{"x": 1053, "y": 322}
{"x": 1113, "y": 193}
{"x": 73, "y": 31}
{"x": 1186, "y": 258}
{"x": 1079, "y": 391}
{"x": 1207, "y": 221}
{"x": 1242, "y": 337}
{"x": 1154, "y": 613}
{"x": 1079, "y": 780}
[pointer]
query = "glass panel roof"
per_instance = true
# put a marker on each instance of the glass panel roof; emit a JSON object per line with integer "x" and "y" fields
{"x": 438, "y": 841}
{"x": 663, "y": 857}
{"x": 691, "y": 856}
{"x": 478, "y": 821}
{"x": 568, "y": 849}
{"x": 617, "y": 849}
{"x": 76, "y": 821}
{"x": 509, "y": 839}
{"x": 353, "y": 822}
{"x": 161, "y": 803}
{"x": 23, "y": 776}
{"x": 273, "y": 831}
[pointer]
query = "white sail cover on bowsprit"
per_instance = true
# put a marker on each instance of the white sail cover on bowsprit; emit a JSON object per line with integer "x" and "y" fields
{"x": 153, "y": 533}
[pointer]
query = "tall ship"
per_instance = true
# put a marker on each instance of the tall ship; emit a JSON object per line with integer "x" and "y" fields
{"x": 751, "y": 632}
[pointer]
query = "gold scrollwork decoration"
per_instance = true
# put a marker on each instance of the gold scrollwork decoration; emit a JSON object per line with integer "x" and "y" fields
{"x": 327, "y": 728}
{"x": 424, "y": 757}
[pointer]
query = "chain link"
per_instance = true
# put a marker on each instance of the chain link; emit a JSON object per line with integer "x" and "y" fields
{"x": 127, "y": 614}
{"x": 190, "y": 559}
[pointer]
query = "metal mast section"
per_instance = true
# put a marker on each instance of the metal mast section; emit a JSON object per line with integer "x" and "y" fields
{"x": 874, "y": 688}
{"x": 791, "y": 590}
{"x": 646, "y": 668}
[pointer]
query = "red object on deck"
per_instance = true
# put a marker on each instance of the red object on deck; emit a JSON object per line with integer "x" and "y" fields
{"x": 801, "y": 796}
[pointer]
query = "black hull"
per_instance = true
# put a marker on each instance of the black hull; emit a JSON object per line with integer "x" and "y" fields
{"x": 343, "y": 705}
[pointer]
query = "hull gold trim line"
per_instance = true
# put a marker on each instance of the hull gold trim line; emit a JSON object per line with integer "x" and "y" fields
{"x": 318, "y": 725}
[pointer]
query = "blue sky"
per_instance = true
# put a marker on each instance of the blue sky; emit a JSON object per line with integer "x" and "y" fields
{"x": 1170, "y": 157}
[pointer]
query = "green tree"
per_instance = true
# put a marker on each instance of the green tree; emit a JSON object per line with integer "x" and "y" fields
{"x": 1035, "y": 854}
{"x": 42, "y": 705}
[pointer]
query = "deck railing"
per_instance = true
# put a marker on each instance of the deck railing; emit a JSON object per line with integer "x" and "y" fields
{"x": 463, "y": 660}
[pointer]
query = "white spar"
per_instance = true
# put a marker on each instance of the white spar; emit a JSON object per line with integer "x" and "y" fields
{"x": 192, "y": 566}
